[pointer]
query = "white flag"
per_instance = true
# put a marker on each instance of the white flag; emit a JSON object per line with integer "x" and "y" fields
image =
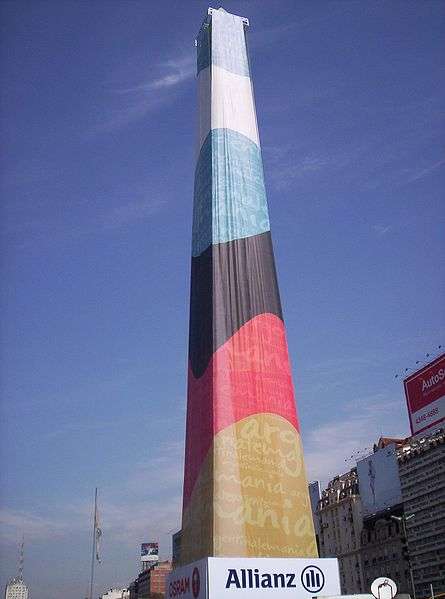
{"x": 98, "y": 534}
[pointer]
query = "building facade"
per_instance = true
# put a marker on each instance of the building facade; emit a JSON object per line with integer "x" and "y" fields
{"x": 383, "y": 544}
{"x": 315, "y": 496}
{"x": 384, "y": 550}
{"x": 151, "y": 583}
{"x": 133, "y": 589}
{"x": 340, "y": 524}
{"x": 176, "y": 548}
{"x": 144, "y": 585}
{"x": 422, "y": 476}
{"x": 158, "y": 578}
{"x": 16, "y": 589}
{"x": 404, "y": 537}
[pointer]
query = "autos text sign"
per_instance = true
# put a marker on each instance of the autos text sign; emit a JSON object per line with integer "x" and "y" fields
{"x": 425, "y": 396}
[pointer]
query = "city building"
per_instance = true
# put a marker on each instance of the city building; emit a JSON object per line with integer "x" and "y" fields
{"x": 422, "y": 477}
{"x": 383, "y": 545}
{"x": 133, "y": 589}
{"x": 158, "y": 578}
{"x": 16, "y": 589}
{"x": 384, "y": 551}
{"x": 151, "y": 583}
{"x": 144, "y": 584}
{"x": 340, "y": 525}
{"x": 314, "y": 496}
{"x": 386, "y": 517}
{"x": 176, "y": 548}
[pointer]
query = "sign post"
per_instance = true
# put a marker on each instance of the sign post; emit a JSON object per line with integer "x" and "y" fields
{"x": 384, "y": 588}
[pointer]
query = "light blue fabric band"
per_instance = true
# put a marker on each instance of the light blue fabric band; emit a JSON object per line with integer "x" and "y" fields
{"x": 230, "y": 197}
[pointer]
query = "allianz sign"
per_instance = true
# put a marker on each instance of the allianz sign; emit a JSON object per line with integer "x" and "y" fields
{"x": 242, "y": 577}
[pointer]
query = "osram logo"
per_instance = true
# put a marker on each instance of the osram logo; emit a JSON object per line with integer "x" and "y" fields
{"x": 433, "y": 380}
{"x": 196, "y": 582}
{"x": 179, "y": 587}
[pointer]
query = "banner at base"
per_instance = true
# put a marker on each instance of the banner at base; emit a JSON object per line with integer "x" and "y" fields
{"x": 251, "y": 577}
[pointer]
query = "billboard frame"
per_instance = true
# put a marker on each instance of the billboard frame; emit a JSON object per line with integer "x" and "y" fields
{"x": 150, "y": 557}
{"x": 408, "y": 381}
{"x": 379, "y": 482}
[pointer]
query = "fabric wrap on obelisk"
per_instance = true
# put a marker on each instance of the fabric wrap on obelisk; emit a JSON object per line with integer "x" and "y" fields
{"x": 245, "y": 489}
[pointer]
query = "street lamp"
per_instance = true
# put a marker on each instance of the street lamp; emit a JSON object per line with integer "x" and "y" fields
{"x": 403, "y": 520}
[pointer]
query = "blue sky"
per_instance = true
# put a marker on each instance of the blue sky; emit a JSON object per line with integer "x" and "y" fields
{"x": 98, "y": 115}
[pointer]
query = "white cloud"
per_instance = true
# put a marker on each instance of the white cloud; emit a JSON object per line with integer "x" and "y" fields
{"x": 384, "y": 157}
{"x": 129, "y": 104}
{"x": 174, "y": 72}
{"x": 382, "y": 229}
{"x": 333, "y": 447}
{"x": 149, "y": 499}
{"x": 420, "y": 174}
{"x": 131, "y": 212}
{"x": 291, "y": 164}
{"x": 14, "y": 523}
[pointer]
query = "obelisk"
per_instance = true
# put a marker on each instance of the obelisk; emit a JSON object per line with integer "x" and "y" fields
{"x": 245, "y": 487}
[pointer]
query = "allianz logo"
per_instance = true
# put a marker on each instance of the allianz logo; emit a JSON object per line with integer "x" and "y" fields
{"x": 312, "y": 579}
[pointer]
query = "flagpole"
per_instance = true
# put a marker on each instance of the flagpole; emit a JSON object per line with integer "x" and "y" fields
{"x": 93, "y": 550}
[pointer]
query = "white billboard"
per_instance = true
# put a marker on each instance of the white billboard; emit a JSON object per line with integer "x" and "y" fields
{"x": 252, "y": 577}
{"x": 379, "y": 482}
{"x": 150, "y": 552}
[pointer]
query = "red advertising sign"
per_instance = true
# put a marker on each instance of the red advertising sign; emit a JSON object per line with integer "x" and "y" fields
{"x": 425, "y": 396}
